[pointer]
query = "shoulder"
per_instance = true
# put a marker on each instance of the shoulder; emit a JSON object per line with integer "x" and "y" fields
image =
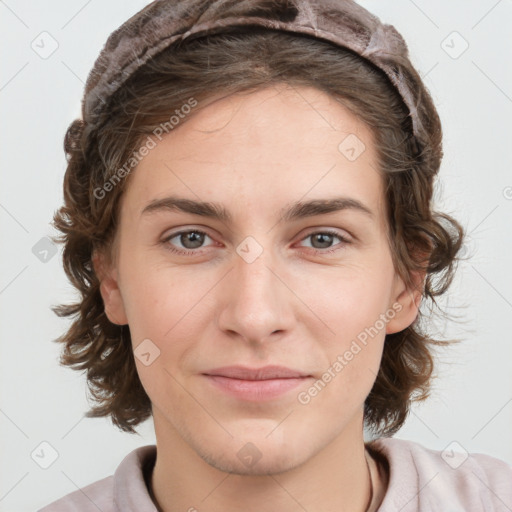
{"x": 125, "y": 490}
{"x": 422, "y": 479}
{"x": 94, "y": 497}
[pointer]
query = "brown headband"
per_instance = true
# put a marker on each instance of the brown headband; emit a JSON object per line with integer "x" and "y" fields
{"x": 164, "y": 22}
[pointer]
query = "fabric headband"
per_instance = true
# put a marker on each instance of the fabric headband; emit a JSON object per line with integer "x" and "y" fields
{"x": 164, "y": 22}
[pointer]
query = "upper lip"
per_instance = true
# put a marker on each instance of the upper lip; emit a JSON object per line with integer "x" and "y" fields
{"x": 263, "y": 373}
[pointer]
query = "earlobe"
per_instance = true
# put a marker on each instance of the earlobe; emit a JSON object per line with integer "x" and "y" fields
{"x": 407, "y": 302}
{"x": 110, "y": 292}
{"x": 114, "y": 306}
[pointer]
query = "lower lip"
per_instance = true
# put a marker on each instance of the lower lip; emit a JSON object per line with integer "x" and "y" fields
{"x": 255, "y": 390}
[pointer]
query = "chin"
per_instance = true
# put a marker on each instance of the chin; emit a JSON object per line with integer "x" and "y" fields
{"x": 264, "y": 462}
{"x": 256, "y": 451}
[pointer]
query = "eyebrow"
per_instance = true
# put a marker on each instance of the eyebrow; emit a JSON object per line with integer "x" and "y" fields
{"x": 293, "y": 211}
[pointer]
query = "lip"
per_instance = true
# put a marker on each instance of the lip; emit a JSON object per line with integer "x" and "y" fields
{"x": 256, "y": 384}
{"x": 263, "y": 373}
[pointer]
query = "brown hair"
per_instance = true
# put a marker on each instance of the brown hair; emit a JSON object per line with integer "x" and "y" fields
{"x": 237, "y": 61}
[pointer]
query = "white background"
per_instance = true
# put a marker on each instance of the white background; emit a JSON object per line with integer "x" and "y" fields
{"x": 40, "y": 401}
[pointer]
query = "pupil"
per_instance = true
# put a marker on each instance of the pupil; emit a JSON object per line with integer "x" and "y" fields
{"x": 327, "y": 239}
{"x": 192, "y": 240}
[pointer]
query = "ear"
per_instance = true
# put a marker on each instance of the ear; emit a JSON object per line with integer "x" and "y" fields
{"x": 109, "y": 289}
{"x": 406, "y": 302}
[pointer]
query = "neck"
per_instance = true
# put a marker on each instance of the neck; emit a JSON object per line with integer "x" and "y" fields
{"x": 334, "y": 479}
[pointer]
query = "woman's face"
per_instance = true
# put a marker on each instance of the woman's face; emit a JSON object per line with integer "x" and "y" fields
{"x": 270, "y": 279}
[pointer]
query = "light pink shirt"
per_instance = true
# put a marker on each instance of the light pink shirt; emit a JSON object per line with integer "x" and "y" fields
{"x": 420, "y": 480}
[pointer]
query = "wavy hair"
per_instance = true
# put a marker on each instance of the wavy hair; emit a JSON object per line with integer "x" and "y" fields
{"x": 236, "y": 61}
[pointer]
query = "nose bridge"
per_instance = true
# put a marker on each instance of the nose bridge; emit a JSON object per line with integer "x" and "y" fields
{"x": 256, "y": 304}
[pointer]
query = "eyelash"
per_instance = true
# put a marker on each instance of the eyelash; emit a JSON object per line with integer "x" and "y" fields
{"x": 190, "y": 252}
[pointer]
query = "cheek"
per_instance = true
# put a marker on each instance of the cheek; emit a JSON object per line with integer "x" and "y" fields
{"x": 154, "y": 296}
{"x": 350, "y": 300}
{"x": 352, "y": 303}
{"x": 353, "y": 359}
{"x": 170, "y": 306}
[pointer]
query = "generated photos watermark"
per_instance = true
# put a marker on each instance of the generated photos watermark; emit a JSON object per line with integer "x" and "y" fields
{"x": 151, "y": 143}
{"x": 305, "y": 397}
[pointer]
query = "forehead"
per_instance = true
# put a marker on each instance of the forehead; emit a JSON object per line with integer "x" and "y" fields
{"x": 259, "y": 151}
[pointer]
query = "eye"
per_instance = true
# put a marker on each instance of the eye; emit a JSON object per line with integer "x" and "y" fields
{"x": 190, "y": 240}
{"x": 193, "y": 239}
{"x": 322, "y": 241}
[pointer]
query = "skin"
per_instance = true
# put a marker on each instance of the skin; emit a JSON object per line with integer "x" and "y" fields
{"x": 255, "y": 154}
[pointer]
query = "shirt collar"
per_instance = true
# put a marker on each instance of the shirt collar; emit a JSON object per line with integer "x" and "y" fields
{"x": 130, "y": 490}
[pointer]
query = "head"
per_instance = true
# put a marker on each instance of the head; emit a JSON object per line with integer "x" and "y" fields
{"x": 273, "y": 121}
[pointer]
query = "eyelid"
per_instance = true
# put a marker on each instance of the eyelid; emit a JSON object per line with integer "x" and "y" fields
{"x": 185, "y": 229}
{"x": 174, "y": 234}
{"x": 342, "y": 233}
{"x": 344, "y": 240}
{"x": 309, "y": 232}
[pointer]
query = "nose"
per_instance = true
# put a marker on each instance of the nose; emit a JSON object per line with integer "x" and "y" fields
{"x": 256, "y": 301}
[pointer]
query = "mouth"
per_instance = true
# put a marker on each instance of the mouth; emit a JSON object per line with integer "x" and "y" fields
{"x": 256, "y": 384}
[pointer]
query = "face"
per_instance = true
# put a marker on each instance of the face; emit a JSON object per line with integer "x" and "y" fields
{"x": 280, "y": 279}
